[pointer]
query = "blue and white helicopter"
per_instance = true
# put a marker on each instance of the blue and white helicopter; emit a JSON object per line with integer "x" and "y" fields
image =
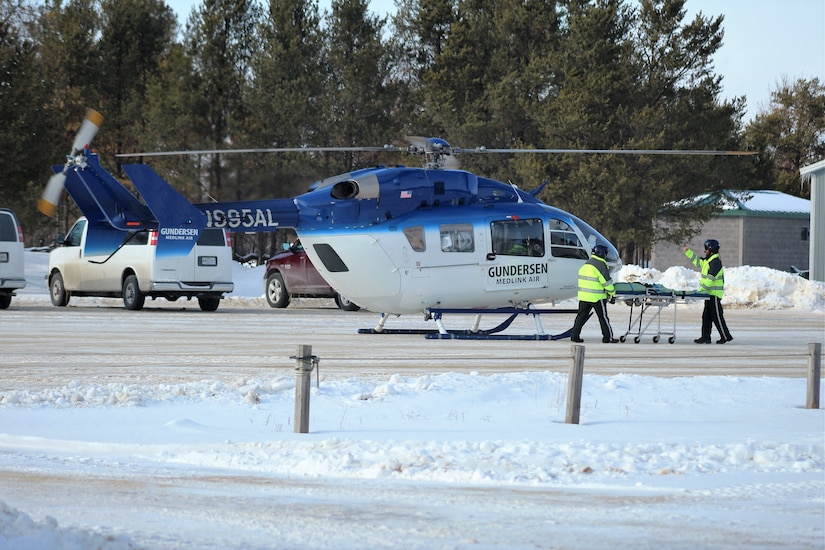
{"x": 395, "y": 240}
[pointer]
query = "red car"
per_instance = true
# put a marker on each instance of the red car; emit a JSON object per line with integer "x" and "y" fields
{"x": 291, "y": 273}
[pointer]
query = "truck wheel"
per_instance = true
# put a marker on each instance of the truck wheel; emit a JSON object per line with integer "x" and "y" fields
{"x": 57, "y": 291}
{"x": 276, "y": 292}
{"x": 209, "y": 303}
{"x": 133, "y": 298}
{"x": 345, "y": 304}
{"x": 5, "y": 301}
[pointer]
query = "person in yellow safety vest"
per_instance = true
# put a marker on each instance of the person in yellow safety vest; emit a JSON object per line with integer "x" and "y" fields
{"x": 712, "y": 283}
{"x": 595, "y": 289}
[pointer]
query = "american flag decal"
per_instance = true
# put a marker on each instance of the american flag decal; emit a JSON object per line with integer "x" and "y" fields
{"x": 406, "y": 194}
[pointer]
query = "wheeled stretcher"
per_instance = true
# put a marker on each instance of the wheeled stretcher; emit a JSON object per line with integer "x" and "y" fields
{"x": 646, "y": 303}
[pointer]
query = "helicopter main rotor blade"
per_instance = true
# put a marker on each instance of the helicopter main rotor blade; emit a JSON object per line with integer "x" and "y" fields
{"x": 439, "y": 151}
{"x": 610, "y": 151}
{"x": 385, "y": 148}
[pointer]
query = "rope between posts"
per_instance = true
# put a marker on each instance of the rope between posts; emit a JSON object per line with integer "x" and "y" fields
{"x": 315, "y": 365}
{"x": 374, "y": 359}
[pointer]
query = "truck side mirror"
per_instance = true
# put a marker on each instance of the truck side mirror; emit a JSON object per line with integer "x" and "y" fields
{"x": 60, "y": 239}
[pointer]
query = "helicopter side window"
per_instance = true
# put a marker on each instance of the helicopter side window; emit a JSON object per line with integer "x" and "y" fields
{"x": 457, "y": 237}
{"x": 518, "y": 237}
{"x": 564, "y": 243}
{"x": 415, "y": 236}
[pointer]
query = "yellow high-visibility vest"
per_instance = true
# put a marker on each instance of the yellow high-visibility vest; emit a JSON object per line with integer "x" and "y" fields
{"x": 594, "y": 281}
{"x": 709, "y": 284}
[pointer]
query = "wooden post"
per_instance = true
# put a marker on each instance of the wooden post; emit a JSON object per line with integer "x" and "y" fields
{"x": 574, "y": 385}
{"x": 814, "y": 375}
{"x": 303, "y": 368}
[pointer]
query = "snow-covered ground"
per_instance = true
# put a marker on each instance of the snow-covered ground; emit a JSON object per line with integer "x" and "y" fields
{"x": 175, "y": 435}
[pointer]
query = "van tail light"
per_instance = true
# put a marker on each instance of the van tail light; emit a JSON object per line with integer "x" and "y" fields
{"x": 19, "y": 233}
{"x": 153, "y": 237}
{"x": 227, "y": 237}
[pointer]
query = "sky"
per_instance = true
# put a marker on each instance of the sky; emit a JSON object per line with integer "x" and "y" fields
{"x": 197, "y": 450}
{"x": 765, "y": 41}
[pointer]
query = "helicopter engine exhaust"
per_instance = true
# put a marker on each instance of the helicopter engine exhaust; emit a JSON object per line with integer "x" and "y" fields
{"x": 345, "y": 190}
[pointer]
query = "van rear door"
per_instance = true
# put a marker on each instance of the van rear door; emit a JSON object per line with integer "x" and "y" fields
{"x": 209, "y": 261}
{"x": 212, "y": 259}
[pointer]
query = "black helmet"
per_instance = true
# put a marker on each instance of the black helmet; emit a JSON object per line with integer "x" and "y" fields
{"x": 599, "y": 250}
{"x": 712, "y": 245}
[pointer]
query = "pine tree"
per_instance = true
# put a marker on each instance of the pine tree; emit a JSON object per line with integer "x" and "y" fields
{"x": 790, "y": 134}
{"x": 220, "y": 38}
{"x": 30, "y": 135}
{"x": 285, "y": 97}
{"x": 134, "y": 37}
{"x": 359, "y": 106}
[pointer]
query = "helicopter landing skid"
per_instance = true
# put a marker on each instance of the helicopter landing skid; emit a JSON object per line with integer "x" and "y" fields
{"x": 475, "y": 333}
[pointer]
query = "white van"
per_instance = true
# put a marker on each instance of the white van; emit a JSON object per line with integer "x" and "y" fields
{"x": 12, "y": 271}
{"x": 126, "y": 265}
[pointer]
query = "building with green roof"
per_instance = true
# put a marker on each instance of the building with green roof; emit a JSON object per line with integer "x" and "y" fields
{"x": 760, "y": 228}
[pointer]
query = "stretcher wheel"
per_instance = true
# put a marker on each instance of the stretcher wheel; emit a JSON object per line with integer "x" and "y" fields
{"x": 671, "y": 339}
{"x": 622, "y": 339}
{"x": 656, "y": 339}
{"x": 637, "y": 340}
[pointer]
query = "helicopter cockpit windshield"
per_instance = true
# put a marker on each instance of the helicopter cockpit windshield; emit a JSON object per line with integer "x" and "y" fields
{"x": 593, "y": 238}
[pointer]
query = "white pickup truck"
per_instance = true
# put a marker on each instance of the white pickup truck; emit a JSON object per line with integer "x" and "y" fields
{"x": 126, "y": 264}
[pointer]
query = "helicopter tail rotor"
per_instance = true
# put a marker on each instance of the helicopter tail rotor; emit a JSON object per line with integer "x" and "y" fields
{"x": 88, "y": 129}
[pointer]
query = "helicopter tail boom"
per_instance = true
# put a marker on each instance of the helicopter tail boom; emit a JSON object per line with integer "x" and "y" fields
{"x": 251, "y": 216}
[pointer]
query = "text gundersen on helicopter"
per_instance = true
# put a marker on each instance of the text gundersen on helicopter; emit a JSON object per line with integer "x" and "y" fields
{"x": 516, "y": 274}
{"x": 245, "y": 217}
{"x": 179, "y": 233}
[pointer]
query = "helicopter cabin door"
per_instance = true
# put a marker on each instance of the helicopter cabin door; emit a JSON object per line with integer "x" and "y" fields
{"x": 566, "y": 254}
{"x": 518, "y": 261}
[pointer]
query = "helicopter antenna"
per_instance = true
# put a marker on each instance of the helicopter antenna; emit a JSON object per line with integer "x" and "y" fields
{"x": 515, "y": 189}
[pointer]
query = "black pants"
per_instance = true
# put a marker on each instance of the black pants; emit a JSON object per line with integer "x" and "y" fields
{"x": 601, "y": 313}
{"x": 712, "y": 315}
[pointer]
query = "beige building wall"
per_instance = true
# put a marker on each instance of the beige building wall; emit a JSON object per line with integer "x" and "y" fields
{"x": 775, "y": 242}
{"x": 778, "y": 243}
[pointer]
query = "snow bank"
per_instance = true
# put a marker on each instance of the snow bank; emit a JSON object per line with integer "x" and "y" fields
{"x": 20, "y": 532}
{"x": 745, "y": 287}
{"x": 446, "y": 428}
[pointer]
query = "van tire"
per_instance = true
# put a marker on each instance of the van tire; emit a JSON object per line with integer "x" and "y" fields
{"x": 133, "y": 298}
{"x": 5, "y": 301}
{"x": 57, "y": 291}
{"x": 209, "y": 303}
{"x": 276, "y": 293}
